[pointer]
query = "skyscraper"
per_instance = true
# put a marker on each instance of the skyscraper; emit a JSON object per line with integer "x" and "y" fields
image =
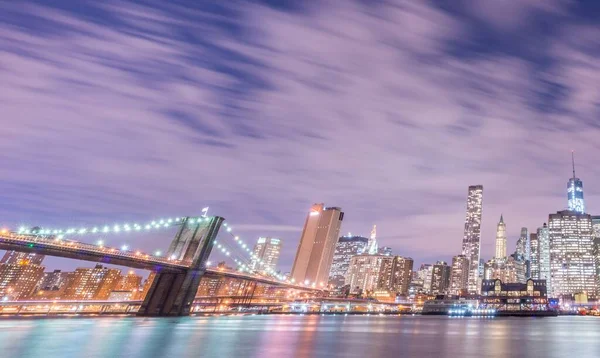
{"x": 440, "y": 278}
{"x": 373, "y": 247}
{"x": 21, "y": 258}
{"x": 501, "y": 240}
{"x": 543, "y": 236}
{"x": 395, "y": 274}
{"x": 523, "y": 252}
{"x": 572, "y": 262}
{"x": 346, "y": 247}
{"x": 534, "y": 262}
{"x": 364, "y": 272}
{"x": 472, "y": 236}
{"x": 317, "y": 245}
{"x": 575, "y": 191}
{"x": 266, "y": 254}
{"x": 459, "y": 276}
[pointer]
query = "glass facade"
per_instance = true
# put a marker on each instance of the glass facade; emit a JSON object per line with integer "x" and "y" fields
{"x": 471, "y": 247}
{"x": 346, "y": 247}
{"x": 575, "y": 195}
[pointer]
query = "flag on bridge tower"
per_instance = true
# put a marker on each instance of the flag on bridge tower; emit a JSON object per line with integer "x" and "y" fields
{"x": 204, "y": 211}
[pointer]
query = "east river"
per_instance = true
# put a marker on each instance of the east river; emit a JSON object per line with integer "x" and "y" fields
{"x": 300, "y": 336}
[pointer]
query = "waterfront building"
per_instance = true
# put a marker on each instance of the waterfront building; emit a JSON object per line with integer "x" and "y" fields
{"x": 575, "y": 192}
{"x": 459, "y": 275}
{"x": 395, "y": 275}
{"x": 266, "y": 255}
{"x": 317, "y": 245}
{"x": 440, "y": 278}
{"x": 572, "y": 261}
{"x": 502, "y": 297}
{"x": 500, "y": 240}
{"x": 364, "y": 272}
{"x": 471, "y": 247}
{"x": 20, "y": 273}
{"x": 92, "y": 283}
{"x": 346, "y": 247}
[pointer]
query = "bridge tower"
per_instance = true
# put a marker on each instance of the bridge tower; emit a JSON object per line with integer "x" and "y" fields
{"x": 172, "y": 293}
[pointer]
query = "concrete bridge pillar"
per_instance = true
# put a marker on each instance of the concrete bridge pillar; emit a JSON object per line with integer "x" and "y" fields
{"x": 172, "y": 293}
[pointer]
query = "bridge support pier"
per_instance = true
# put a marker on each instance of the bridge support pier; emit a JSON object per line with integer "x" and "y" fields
{"x": 172, "y": 293}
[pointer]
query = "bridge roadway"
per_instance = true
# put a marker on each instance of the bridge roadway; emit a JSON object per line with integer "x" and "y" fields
{"x": 51, "y": 246}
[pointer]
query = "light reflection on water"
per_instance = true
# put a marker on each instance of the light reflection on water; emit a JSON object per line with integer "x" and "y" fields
{"x": 300, "y": 336}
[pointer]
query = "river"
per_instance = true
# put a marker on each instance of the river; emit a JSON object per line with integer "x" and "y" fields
{"x": 300, "y": 336}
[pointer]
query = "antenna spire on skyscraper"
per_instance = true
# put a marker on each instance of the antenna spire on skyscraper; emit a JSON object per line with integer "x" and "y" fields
{"x": 573, "y": 161}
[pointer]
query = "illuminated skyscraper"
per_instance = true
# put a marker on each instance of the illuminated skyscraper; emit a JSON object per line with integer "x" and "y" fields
{"x": 523, "y": 253}
{"x": 501, "y": 240}
{"x": 346, "y": 247}
{"x": 266, "y": 253}
{"x": 440, "y": 278}
{"x": 575, "y": 191}
{"x": 395, "y": 274}
{"x": 572, "y": 262}
{"x": 92, "y": 283}
{"x": 459, "y": 276}
{"x": 534, "y": 262}
{"x": 317, "y": 245}
{"x": 543, "y": 237}
{"x": 21, "y": 258}
{"x": 364, "y": 272}
{"x": 471, "y": 246}
{"x": 373, "y": 247}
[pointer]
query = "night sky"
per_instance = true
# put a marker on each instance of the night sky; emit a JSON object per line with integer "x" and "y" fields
{"x": 122, "y": 111}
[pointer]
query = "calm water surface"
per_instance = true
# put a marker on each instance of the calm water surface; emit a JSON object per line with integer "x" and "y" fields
{"x": 300, "y": 336}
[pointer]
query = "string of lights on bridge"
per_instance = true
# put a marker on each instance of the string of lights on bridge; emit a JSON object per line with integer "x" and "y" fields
{"x": 243, "y": 264}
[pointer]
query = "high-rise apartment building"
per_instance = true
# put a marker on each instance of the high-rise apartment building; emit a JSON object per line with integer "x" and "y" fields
{"x": 575, "y": 192}
{"x": 21, "y": 258}
{"x": 346, "y": 247}
{"x": 572, "y": 261}
{"x": 53, "y": 281}
{"x": 459, "y": 276}
{"x": 364, "y": 272}
{"x": 373, "y": 248}
{"x": 596, "y": 234}
{"x": 266, "y": 254}
{"x": 20, "y": 273}
{"x": 317, "y": 245}
{"x": 471, "y": 247}
{"x": 424, "y": 274}
{"x": 501, "y": 240}
{"x": 92, "y": 283}
{"x": 440, "y": 278}
{"x": 543, "y": 237}
{"x": 395, "y": 274}
{"x": 523, "y": 252}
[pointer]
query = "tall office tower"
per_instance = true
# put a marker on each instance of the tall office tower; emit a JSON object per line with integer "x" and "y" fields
{"x": 373, "y": 247}
{"x": 522, "y": 251}
{"x": 572, "y": 262}
{"x": 20, "y": 273}
{"x": 266, "y": 254}
{"x": 317, "y": 245}
{"x": 424, "y": 274}
{"x": 575, "y": 191}
{"x": 364, "y": 272}
{"x": 472, "y": 238}
{"x": 534, "y": 262}
{"x": 92, "y": 283}
{"x": 543, "y": 237}
{"x": 346, "y": 247}
{"x": 459, "y": 277}
{"x": 440, "y": 278}
{"x": 501, "y": 240}
{"x": 596, "y": 233}
{"x": 21, "y": 258}
{"x": 509, "y": 270}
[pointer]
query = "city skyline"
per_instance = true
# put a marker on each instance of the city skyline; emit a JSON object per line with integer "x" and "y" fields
{"x": 426, "y": 129}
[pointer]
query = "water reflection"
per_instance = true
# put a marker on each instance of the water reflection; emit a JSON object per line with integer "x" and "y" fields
{"x": 300, "y": 336}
